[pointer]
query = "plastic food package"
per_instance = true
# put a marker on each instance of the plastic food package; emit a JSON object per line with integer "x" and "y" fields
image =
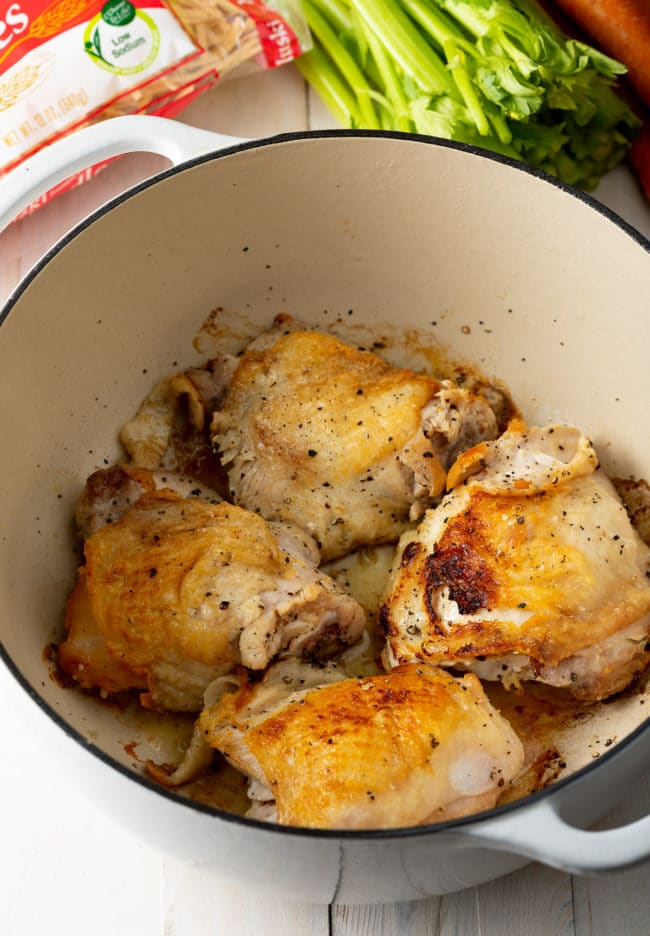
{"x": 65, "y": 64}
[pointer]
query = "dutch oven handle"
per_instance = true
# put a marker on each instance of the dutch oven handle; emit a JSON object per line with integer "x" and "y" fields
{"x": 539, "y": 832}
{"x": 92, "y": 145}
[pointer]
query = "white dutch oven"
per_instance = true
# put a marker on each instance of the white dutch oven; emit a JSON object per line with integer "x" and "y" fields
{"x": 401, "y": 230}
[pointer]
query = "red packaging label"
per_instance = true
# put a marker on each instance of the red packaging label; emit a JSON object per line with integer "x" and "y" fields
{"x": 27, "y": 24}
{"x": 279, "y": 42}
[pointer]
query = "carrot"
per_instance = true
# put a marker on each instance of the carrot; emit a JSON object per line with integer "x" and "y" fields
{"x": 621, "y": 28}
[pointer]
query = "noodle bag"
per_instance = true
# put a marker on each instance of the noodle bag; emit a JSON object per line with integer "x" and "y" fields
{"x": 65, "y": 64}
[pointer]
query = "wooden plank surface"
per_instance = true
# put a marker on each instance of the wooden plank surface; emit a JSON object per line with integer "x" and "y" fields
{"x": 618, "y": 904}
{"x": 194, "y": 902}
{"x": 65, "y": 869}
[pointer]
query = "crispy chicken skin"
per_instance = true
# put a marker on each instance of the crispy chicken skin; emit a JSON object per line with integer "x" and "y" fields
{"x": 405, "y": 748}
{"x": 182, "y": 591}
{"x": 528, "y": 569}
{"x": 336, "y": 440}
{"x": 84, "y": 655}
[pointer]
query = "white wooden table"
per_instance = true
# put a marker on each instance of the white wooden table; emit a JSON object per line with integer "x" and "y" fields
{"x": 65, "y": 869}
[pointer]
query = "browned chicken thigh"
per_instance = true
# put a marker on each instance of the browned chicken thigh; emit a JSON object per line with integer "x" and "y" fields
{"x": 338, "y": 441}
{"x": 405, "y": 748}
{"x": 182, "y": 591}
{"x": 528, "y": 570}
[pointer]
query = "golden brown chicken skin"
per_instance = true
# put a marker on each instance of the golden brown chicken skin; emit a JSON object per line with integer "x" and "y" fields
{"x": 84, "y": 655}
{"x": 405, "y": 748}
{"x": 528, "y": 569}
{"x": 182, "y": 591}
{"x": 337, "y": 440}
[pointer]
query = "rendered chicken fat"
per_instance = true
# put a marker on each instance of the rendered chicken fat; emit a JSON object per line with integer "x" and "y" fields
{"x": 527, "y": 569}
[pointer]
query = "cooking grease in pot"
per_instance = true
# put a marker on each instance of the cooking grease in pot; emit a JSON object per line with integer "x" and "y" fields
{"x": 373, "y": 595}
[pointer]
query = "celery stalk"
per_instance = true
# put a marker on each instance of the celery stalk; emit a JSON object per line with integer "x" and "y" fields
{"x": 337, "y": 14}
{"x": 392, "y": 87}
{"x": 321, "y": 73}
{"x": 345, "y": 63}
{"x": 493, "y": 73}
{"x": 402, "y": 40}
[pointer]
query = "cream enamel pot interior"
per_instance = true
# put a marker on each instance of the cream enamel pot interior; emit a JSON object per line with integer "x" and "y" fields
{"x": 401, "y": 230}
